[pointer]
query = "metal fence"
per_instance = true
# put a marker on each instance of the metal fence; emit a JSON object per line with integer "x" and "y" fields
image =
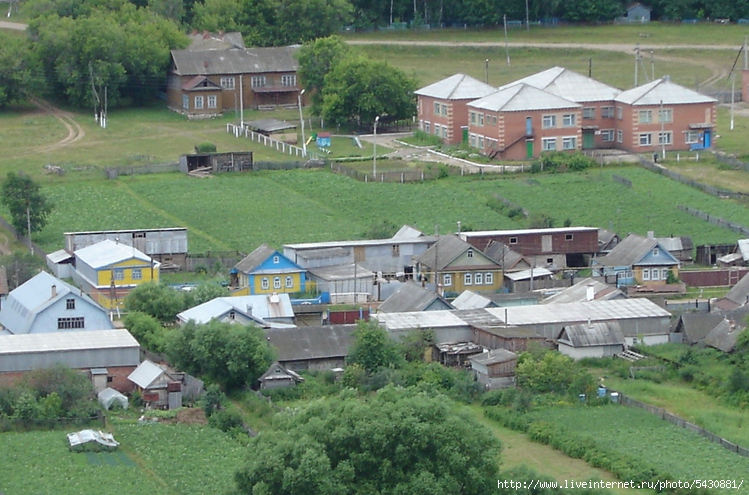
{"x": 676, "y": 420}
{"x": 390, "y": 176}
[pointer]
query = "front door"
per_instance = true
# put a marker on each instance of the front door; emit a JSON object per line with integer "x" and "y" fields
{"x": 529, "y": 149}
{"x": 707, "y": 139}
{"x": 588, "y": 140}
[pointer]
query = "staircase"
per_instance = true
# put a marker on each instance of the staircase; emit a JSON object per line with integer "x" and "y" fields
{"x": 630, "y": 356}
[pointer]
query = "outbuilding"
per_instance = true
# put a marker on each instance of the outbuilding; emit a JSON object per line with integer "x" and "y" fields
{"x": 496, "y": 368}
{"x": 596, "y": 340}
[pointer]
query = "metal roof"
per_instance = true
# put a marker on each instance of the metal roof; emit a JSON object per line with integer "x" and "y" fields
{"x": 696, "y": 326}
{"x": 631, "y": 250}
{"x": 443, "y": 252}
{"x": 66, "y": 341}
{"x": 248, "y": 61}
{"x": 410, "y": 238}
{"x": 502, "y": 254}
{"x": 569, "y": 85}
{"x": 538, "y": 272}
{"x": 723, "y": 337}
{"x": 457, "y": 87}
{"x": 302, "y": 343}
{"x": 555, "y": 230}
{"x": 146, "y": 373}
{"x": 678, "y": 243}
{"x": 410, "y": 297}
{"x": 522, "y": 97}
{"x": 419, "y": 319}
{"x": 341, "y": 272}
{"x": 471, "y": 300}
{"x": 592, "y": 334}
{"x": 255, "y": 258}
{"x": 579, "y": 292}
{"x": 261, "y": 306}
{"x": 215, "y": 41}
{"x": 739, "y": 293}
{"x": 662, "y": 91}
{"x": 615, "y": 309}
{"x": 107, "y": 253}
{"x": 744, "y": 249}
{"x": 59, "y": 256}
{"x": 270, "y": 125}
{"x": 495, "y": 356}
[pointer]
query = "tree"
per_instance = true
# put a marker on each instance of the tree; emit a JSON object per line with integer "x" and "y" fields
{"x": 233, "y": 356}
{"x": 396, "y": 441}
{"x": 147, "y": 331}
{"x": 28, "y": 207}
{"x": 359, "y": 89}
{"x": 18, "y": 69}
{"x": 316, "y": 59}
{"x": 156, "y": 300}
{"x": 373, "y": 348}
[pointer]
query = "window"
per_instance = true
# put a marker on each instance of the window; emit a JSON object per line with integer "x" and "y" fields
{"x": 619, "y": 136}
{"x": 472, "y": 117}
{"x": 288, "y": 80}
{"x": 264, "y": 284}
{"x": 426, "y": 127}
{"x": 568, "y": 237}
{"x": 276, "y": 282}
{"x": 568, "y": 120}
{"x": 619, "y": 113}
{"x": 227, "y": 83}
{"x": 232, "y": 314}
{"x": 481, "y": 119}
{"x": 607, "y": 112}
{"x": 548, "y": 144}
{"x": 665, "y": 115}
{"x": 467, "y": 279}
{"x": 137, "y": 274}
{"x": 119, "y": 274}
{"x": 478, "y": 279}
{"x": 480, "y": 142}
{"x": 645, "y": 117}
{"x": 185, "y": 102}
{"x": 396, "y": 250}
{"x": 656, "y": 252}
{"x": 470, "y": 253}
{"x": 549, "y": 261}
{"x": 646, "y": 139}
{"x": 646, "y": 274}
{"x": 70, "y": 304}
{"x": 289, "y": 282}
{"x": 70, "y": 323}
{"x": 655, "y": 274}
{"x": 198, "y": 103}
{"x": 212, "y": 101}
{"x": 257, "y": 81}
{"x": 513, "y": 240}
{"x": 436, "y": 108}
{"x": 447, "y": 279}
{"x": 488, "y": 278}
{"x": 549, "y": 121}
{"x": 569, "y": 143}
{"x": 493, "y": 119}
{"x": 589, "y": 113}
{"x": 276, "y": 259}
{"x": 607, "y": 135}
{"x": 472, "y": 140}
{"x": 444, "y": 110}
{"x": 664, "y": 138}
{"x": 692, "y": 137}
{"x": 436, "y": 129}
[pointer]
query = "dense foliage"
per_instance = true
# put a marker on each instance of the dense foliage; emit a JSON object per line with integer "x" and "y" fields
{"x": 164, "y": 303}
{"x": 396, "y": 441}
{"x": 29, "y": 207}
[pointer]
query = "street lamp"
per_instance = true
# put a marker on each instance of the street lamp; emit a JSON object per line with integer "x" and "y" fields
{"x": 487, "y": 71}
{"x": 301, "y": 119}
{"x": 374, "y": 158}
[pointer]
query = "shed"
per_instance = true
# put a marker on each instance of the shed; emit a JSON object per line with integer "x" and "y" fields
{"x": 323, "y": 139}
{"x": 496, "y": 368}
{"x": 312, "y": 348}
{"x": 456, "y": 353}
{"x": 279, "y": 377}
{"x": 109, "y": 397}
{"x": 231, "y": 161}
{"x": 274, "y": 128}
{"x": 694, "y": 327}
{"x": 157, "y": 385}
{"x": 638, "y": 12}
{"x": 602, "y": 339}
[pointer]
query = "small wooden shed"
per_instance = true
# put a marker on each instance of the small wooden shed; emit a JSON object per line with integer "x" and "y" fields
{"x": 602, "y": 339}
{"x": 637, "y": 12}
{"x": 496, "y": 368}
{"x": 278, "y": 376}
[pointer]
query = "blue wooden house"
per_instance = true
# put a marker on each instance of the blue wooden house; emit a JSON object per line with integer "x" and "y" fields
{"x": 265, "y": 271}
{"x": 638, "y": 261}
{"x": 638, "y": 12}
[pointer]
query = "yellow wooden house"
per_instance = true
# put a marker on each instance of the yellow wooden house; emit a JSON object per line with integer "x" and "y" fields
{"x": 265, "y": 271}
{"x": 108, "y": 271}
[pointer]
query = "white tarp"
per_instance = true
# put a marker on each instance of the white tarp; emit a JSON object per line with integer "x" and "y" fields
{"x": 110, "y": 396}
{"x": 92, "y": 436}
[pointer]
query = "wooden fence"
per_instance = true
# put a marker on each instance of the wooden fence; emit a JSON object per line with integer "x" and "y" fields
{"x": 713, "y": 191}
{"x": 149, "y": 168}
{"x": 720, "y": 222}
{"x": 277, "y": 145}
{"x": 676, "y": 420}
{"x": 395, "y": 176}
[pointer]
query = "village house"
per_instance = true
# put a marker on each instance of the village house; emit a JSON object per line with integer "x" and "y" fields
{"x": 205, "y": 83}
{"x": 413, "y": 297}
{"x": 264, "y": 310}
{"x": 442, "y": 106}
{"x": 638, "y": 261}
{"x": 265, "y": 271}
{"x": 315, "y": 348}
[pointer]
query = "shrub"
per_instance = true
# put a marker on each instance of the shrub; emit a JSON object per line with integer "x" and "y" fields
{"x": 205, "y": 148}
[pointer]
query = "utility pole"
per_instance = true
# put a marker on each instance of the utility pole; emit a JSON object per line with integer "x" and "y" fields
{"x": 507, "y": 48}
{"x": 652, "y": 66}
{"x": 637, "y": 62}
{"x": 733, "y": 95}
{"x": 487, "y": 71}
{"x": 28, "y": 227}
{"x": 527, "y": 20}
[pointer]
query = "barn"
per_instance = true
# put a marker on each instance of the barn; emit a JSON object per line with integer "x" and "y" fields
{"x": 496, "y": 368}
{"x": 596, "y": 340}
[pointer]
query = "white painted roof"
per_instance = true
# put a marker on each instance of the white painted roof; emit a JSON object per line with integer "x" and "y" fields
{"x": 145, "y": 374}
{"x": 662, "y": 90}
{"x": 470, "y": 300}
{"x": 554, "y": 230}
{"x": 261, "y": 307}
{"x": 569, "y": 85}
{"x": 527, "y": 274}
{"x": 66, "y": 341}
{"x": 457, "y": 87}
{"x": 744, "y": 249}
{"x": 615, "y": 309}
{"x": 419, "y": 319}
{"x": 522, "y": 97}
{"x": 58, "y": 256}
{"x": 107, "y": 253}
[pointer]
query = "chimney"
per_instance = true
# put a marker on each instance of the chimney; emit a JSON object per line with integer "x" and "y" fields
{"x": 54, "y": 291}
{"x": 249, "y": 310}
{"x": 651, "y": 234}
{"x": 590, "y": 292}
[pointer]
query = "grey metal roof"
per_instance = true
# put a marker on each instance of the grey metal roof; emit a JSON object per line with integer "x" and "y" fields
{"x": 67, "y": 341}
{"x": 739, "y": 293}
{"x": 447, "y": 248}
{"x": 569, "y": 85}
{"x": 341, "y": 272}
{"x": 723, "y": 337}
{"x": 261, "y": 307}
{"x": 696, "y": 326}
{"x": 408, "y": 232}
{"x": 538, "y": 272}
{"x": 322, "y": 253}
{"x": 411, "y": 297}
{"x": 502, "y": 254}
{"x": 270, "y": 125}
{"x": 579, "y": 292}
{"x": 146, "y": 373}
{"x": 662, "y": 91}
{"x": 495, "y": 356}
{"x": 457, "y": 87}
{"x": 215, "y": 41}
{"x": 591, "y": 335}
{"x": 107, "y": 253}
{"x": 522, "y": 97}
{"x": 59, "y": 256}
{"x": 614, "y": 309}
{"x": 255, "y": 258}
{"x": 678, "y": 243}
{"x": 248, "y": 61}
{"x": 303, "y": 343}
{"x": 553, "y": 230}
{"x": 471, "y": 300}
{"x": 631, "y": 250}
{"x": 361, "y": 242}
{"x": 744, "y": 249}
{"x": 419, "y": 319}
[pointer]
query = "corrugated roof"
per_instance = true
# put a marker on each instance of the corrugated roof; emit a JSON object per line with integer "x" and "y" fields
{"x": 630, "y": 251}
{"x": 739, "y": 293}
{"x": 67, "y": 341}
{"x": 495, "y": 356}
{"x": 145, "y": 374}
{"x": 662, "y": 91}
{"x": 59, "y": 256}
{"x": 723, "y": 337}
{"x": 569, "y": 85}
{"x": 249, "y": 61}
{"x": 615, "y": 309}
{"x": 579, "y": 292}
{"x": 360, "y": 242}
{"x": 678, "y": 243}
{"x": 410, "y": 297}
{"x": 107, "y": 253}
{"x": 258, "y": 307}
{"x": 538, "y": 272}
{"x": 443, "y": 252}
{"x": 744, "y": 249}
{"x": 341, "y": 272}
{"x": 301, "y": 343}
{"x": 471, "y": 300}
{"x": 502, "y": 254}
{"x": 554, "y": 230}
{"x": 408, "y": 232}
{"x": 593, "y": 334}
{"x": 457, "y": 87}
{"x": 522, "y": 97}
{"x": 696, "y": 326}
{"x": 255, "y": 258}
{"x": 419, "y": 319}
{"x": 270, "y": 125}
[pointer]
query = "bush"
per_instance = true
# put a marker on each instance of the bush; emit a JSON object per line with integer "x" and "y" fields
{"x": 225, "y": 420}
{"x": 205, "y": 148}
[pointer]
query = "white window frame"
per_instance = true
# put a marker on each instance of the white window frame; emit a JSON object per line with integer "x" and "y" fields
{"x": 212, "y": 101}
{"x": 569, "y": 143}
{"x": 656, "y": 252}
{"x": 620, "y": 113}
{"x": 692, "y": 137}
{"x": 276, "y": 260}
{"x": 436, "y": 108}
{"x": 199, "y": 102}
{"x": 646, "y": 274}
{"x": 228, "y": 82}
{"x": 607, "y": 135}
{"x": 589, "y": 113}
{"x": 665, "y": 138}
{"x": 264, "y": 283}
{"x": 447, "y": 279}
{"x": 289, "y": 282}
{"x": 136, "y": 274}
{"x": 444, "y": 110}
{"x": 568, "y": 120}
{"x": 468, "y": 279}
{"x": 478, "y": 279}
{"x": 288, "y": 80}
{"x": 472, "y": 140}
{"x": 666, "y": 115}
{"x": 645, "y": 139}
{"x": 427, "y": 127}
{"x": 469, "y": 253}
{"x": 645, "y": 117}
{"x": 548, "y": 122}
{"x": 119, "y": 274}
{"x": 488, "y": 278}
{"x": 607, "y": 113}
{"x": 549, "y": 144}
{"x": 619, "y": 136}
{"x": 257, "y": 81}
{"x": 276, "y": 282}
{"x": 480, "y": 142}
{"x": 472, "y": 117}
{"x": 186, "y": 102}
{"x": 481, "y": 120}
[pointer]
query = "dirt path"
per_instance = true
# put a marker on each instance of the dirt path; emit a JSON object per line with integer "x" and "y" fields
{"x": 75, "y": 131}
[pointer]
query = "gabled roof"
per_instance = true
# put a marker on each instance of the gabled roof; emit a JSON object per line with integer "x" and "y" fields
{"x": 412, "y": 297}
{"x": 723, "y": 337}
{"x": 638, "y": 4}
{"x": 304, "y": 343}
{"x": 569, "y": 85}
{"x": 506, "y": 257}
{"x": 662, "y": 91}
{"x": 447, "y": 249}
{"x": 739, "y": 293}
{"x": 255, "y": 259}
{"x": 146, "y": 373}
{"x": 408, "y": 232}
{"x": 31, "y": 298}
{"x": 678, "y": 243}
{"x": 262, "y": 308}
{"x": 495, "y": 356}
{"x": 248, "y": 61}
{"x": 522, "y": 97}
{"x": 278, "y": 372}
{"x": 197, "y": 80}
{"x": 696, "y": 326}
{"x": 579, "y": 292}
{"x": 457, "y": 87}
{"x": 592, "y": 334}
{"x": 632, "y": 250}
{"x": 215, "y": 41}
{"x": 471, "y": 300}
{"x": 347, "y": 271}
{"x": 107, "y": 253}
